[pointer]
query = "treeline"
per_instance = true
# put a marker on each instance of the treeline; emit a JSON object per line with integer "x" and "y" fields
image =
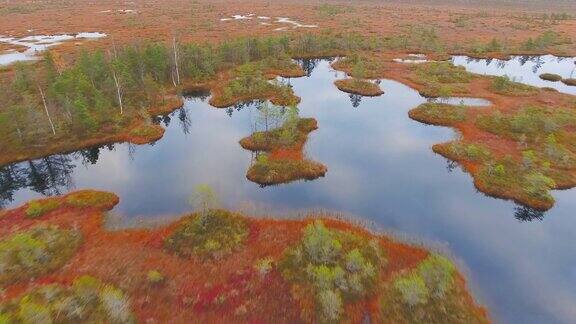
{"x": 103, "y": 90}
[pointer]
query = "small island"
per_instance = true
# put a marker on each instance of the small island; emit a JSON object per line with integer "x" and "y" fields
{"x": 359, "y": 87}
{"x": 550, "y": 77}
{"x": 280, "y": 158}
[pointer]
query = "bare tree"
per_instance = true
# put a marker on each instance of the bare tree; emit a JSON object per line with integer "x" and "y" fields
{"x": 46, "y": 110}
{"x": 117, "y": 81}
{"x": 176, "y": 59}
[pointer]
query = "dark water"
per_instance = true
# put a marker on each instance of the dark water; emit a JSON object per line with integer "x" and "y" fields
{"x": 525, "y": 69}
{"x": 521, "y": 265}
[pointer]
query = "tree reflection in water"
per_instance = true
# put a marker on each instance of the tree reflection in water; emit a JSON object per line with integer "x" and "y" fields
{"x": 355, "y": 99}
{"x": 528, "y": 214}
{"x": 48, "y": 176}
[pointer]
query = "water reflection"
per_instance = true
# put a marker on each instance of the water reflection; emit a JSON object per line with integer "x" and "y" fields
{"x": 525, "y": 69}
{"x": 527, "y": 214}
{"x": 47, "y": 176}
{"x": 381, "y": 168}
{"x": 355, "y": 99}
{"x": 309, "y": 64}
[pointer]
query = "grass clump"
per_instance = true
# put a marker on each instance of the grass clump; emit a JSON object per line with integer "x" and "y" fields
{"x": 35, "y": 252}
{"x": 550, "y": 77}
{"x": 359, "y": 86}
{"x": 442, "y": 79}
{"x": 212, "y": 234}
{"x": 147, "y": 131}
{"x": 569, "y": 82}
{"x": 37, "y": 208}
{"x": 439, "y": 114}
{"x": 335, "y": 267}
{"x": 428, "y": 294}
{"x": 329, "y": 10}
{"x": 88, "y": 300}
{"x": 505, "y": 86}
{"x": 91, "y": 199}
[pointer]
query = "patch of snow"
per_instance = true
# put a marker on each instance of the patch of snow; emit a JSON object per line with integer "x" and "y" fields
{"x": 285, "y": 20}
{"x": 410, "y": 61}
{"x": 37, "y": 43}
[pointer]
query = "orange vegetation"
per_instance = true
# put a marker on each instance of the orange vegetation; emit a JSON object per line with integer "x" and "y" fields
{"x": 194, "y": 289}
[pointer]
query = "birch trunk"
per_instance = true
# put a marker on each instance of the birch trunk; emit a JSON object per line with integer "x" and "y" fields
{"x": 118, "y": 91}
{"x": 176, "y": 60}
{"x": 46, "y": 110}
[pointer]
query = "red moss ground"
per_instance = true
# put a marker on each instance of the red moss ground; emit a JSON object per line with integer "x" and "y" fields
{"x": 454, "y": 21}
{"x": 193, "y": 289}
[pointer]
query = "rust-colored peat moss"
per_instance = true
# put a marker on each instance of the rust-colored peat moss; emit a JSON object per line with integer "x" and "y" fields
{"x": 360, "y": 87}
{"x": 520, "y": 148}
{"x": 283, "y": 160}
{"x": 284, "y": 271}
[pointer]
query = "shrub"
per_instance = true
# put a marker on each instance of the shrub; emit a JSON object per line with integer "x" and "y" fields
{"x": 331, "y": 304}
{"x": 87, "y": 300}
{"x": 412, "y": 288}
{"x": 208, "y": 235}
{"x": 438, "y": 274}
{"x": 263, "y": 266}
{"x": 115, "y": 304}
{"x": 336, "y": 266}
{"x": 428, "y": 294}
{"x": 499, "y": 170}
{"x": 155, "y": 277}
{"x": 569, "y": 82}
{"x": 36, "y": 251}
{"x": 538, "y": 185}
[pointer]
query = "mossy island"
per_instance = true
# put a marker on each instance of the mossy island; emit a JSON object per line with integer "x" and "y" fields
{"x": 359, "y": 87}
{"x": 280, "y": 158}
{"x": 227, "y": 266}
{"x": 551, "y": 77}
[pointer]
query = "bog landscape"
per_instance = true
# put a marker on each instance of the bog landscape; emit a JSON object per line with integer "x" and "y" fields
{"x": 267, "y": 161}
